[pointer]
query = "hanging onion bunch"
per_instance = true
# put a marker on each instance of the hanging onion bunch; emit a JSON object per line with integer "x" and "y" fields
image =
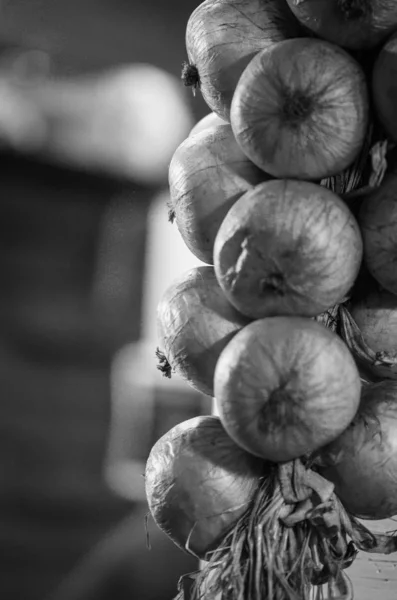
{"x": 221, "y": 39}
{"x": 265, "y": 530}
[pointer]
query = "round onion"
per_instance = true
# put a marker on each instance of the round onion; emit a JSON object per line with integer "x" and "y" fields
{"x": 300, "y": 109}
{"x": 362, "y": 462}
{"x": 378, "y": 223}
{"x": 285, "y": 386}
{"x": 384, "y": 86}
{"x": 208, "y": 122}
{"x": 207, "y": 174}
{"x": 376, "y": 316}
{"x": 221, "y": 39}
{"x": 350, "y": 23}
{"x": 369, "y": 328}
{"x": 199, "y": 483}
{"x": 287, "y": 247}
{"x": 195, "y": 322}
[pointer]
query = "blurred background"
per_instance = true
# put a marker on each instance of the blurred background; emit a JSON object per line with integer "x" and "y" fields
{"x": 91, "y": 110}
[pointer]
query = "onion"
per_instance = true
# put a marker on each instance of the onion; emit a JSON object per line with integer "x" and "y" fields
{"x": 384, "y": 86}
{"x": 208, "y": 122}
{"x": 199, "y": 483}
{"x": 369, "y": 328}
{"x": 350, "y": 23}
{"x": 285, "y": 386}
{"x": 300, "y": 109}
{"x": 195, "y": 322}
{"x": 221, "y": 39}
{"x": 376, "y": 316}
{"x": 287, "y": 247}
{"x": 207, "y": 174}
{"x": 362, "y": 462}
{"x": 378, "y": 223}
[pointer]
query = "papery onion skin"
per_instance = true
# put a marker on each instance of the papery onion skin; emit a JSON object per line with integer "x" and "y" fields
{"x": 300, "y": 109}
{"x": 287, "y": 247}
{"x": 207, "y": 123}
{"x": 285, "y": 386}
{"x": 223, "y": 36}
{"x": 354, "y": 24}
{"x": 199, "y": 482}
{"x": 378, "y": 224}
{"x": 362, "y": 462}
{"x": 384, "y": 86}
{"x": 195, "y": 322}
{"x": 207, "y": 174}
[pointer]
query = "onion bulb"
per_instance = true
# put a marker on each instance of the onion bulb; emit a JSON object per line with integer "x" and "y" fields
{"x": 207, "y": 174}
{"x": 208, "y": 122}
{"x": 378, "y": 223}
{"x": 221, "y": 39}
{"x": 376, "y": 316}
{"x": 369, "y": 328}
{"x": 384, "y": 86}
{"x": 362, "y": 462}
{"x": 285, "y": 386}
{"x": 199, "y": 483}
{"x": 300, "y": 109}
{"x": 195, "y": 322}
{"x": 350, "y": 23}
{"x": 287, "y": 247}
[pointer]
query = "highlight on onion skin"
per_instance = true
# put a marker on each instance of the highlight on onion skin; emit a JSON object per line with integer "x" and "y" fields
{"x": 195, "y": 322}
{"x": 362, "y": 462}
{"x": 285, "y": 386}
{"x": 207, "y": 123}
{"x": 384, "y": 86}
{"x": 300, "y": 109}
{"x": 378, "y": 224}
{"x": 353, "y": 24}
{"x": 207, "y": 174}
{"x": 223, "y": 36}
{"x": 287, "y": 247}
{"x": 199, "y": 483}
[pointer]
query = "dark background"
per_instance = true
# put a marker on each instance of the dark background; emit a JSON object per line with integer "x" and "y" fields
{"x": 55, "y": 350}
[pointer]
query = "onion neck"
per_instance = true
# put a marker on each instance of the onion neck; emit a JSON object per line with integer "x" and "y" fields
{"x": 190, "y": 75}
{"x": 297, "y": 107}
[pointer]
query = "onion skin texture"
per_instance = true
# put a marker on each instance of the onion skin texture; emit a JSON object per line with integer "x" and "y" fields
{"x": 378, "y": 224}
{"x": 376, "y": 316}
{"x": 362, "y": 462}
{"x": 354, "y": 24}
{"x": 384, "y": 87}
{"x": 208, "y": 122}
{"x": 285, "y": 386}
{"x": 207, "y": 174}
{"x": 195, "y": 322}
{"x": 287, "y": 247}
{"x": 223, "y": 36}
{"x": 368, "y": 325}
{"x": 199, "y": 483}
{"x": 300, "y": 109}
